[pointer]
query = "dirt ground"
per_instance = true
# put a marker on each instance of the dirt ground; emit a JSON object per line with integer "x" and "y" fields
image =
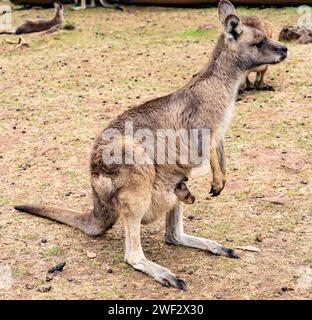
{"x": 58, "y": 94}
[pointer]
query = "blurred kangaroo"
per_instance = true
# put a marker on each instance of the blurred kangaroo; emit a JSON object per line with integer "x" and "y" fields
{"x": 39, "y": 25}
{"x": 142, "y": 193}
{"x": 104, "y": 4}
{"x": 266, "y": 27}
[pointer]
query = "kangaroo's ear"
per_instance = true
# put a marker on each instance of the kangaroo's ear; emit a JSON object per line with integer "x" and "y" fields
{"x": 57, "y": 4}
{"x": 229, "y": 19}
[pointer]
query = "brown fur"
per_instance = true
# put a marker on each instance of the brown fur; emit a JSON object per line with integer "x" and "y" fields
{"x": 183, "y": 193}
{"x": 265, "y": 26}
{"x": 38, "y": 25}
{"x": 142, "y": 193}
{"x": 302, "y": 34}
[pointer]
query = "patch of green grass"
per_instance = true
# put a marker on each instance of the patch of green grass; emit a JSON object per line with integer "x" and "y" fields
{"x": 73, "y": 174}
{"x": 103, "y": 294}
{"x": 242, "y": 196}
{"x": 197, "y": 33}
{"x": 16, "y": 273}
{"x": 69, "y": 25}
{"x": 55, "y": 251}
{"x": 30, "y": 237}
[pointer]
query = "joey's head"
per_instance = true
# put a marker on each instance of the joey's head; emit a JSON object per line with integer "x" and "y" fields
{"x": 250, "y": 47}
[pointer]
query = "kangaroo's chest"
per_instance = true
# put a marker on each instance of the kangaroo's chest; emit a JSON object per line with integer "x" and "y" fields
{"x": 226, "y": 119}
{"x": 228, "y": 112}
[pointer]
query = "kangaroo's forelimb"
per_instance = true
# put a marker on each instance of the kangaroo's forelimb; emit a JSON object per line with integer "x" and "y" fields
{"x": 218, "y": 167}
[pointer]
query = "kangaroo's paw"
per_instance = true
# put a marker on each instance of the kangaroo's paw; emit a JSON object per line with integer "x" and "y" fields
{"x": 216, "y": 187}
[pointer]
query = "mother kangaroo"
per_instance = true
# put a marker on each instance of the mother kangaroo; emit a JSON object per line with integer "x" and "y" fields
{"x": 142, "y": 192}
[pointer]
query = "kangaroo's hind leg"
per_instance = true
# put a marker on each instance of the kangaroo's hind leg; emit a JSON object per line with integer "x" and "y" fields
{"x": 176, "y": 235}
{"x": 135, "y": 257}
{"x": 133, "y": 202}
{"x": 260, "y": 84}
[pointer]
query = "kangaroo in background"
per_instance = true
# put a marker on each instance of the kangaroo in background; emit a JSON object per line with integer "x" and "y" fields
{"x": 266, "y": 27}
{"x": 41, "y": 24}
{"x": 142, "y": 193}
{"x": 104, "y": 4}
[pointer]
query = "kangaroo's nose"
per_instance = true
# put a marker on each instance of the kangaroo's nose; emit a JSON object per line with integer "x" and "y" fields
{"x": 282, "y": 49}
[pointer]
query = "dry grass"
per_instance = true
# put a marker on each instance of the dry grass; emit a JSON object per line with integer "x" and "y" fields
{"x": 59, "y": 93}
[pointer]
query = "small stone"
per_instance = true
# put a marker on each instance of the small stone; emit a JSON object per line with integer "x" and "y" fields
{"x": 67, "y": 194}
{"x": 110, "y": 270}
{"x": 304, "y": 182}
{"x": 91, "y": 255}
{"x": 58, "y": 267}
{"x": 45, "y": 289}
{"x": 29, "y": 286}
{"x": 25, "y": 166}
{"x": 190, "y": 217}
{"x": 284, "y": 289}
{"x": 48, "y": 278}
{"x": 83, "y": 194}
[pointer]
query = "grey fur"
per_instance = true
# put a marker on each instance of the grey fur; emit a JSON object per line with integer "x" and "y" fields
{"x": 143, "y": 193}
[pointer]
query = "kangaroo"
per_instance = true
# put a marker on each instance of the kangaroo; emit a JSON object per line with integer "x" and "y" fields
{"x": 265, "y": 26}
{"x": 104, "y": 4}
{"x": 141, "y": 193}
{"x": 39, "y": 25}
{"x": 183, "y": 193}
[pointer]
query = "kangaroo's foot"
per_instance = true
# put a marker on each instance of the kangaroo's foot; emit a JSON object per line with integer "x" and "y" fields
{"x": 250, "y": 87}
{"x": 264, "y": 87}
{"x": 159, "y": 273}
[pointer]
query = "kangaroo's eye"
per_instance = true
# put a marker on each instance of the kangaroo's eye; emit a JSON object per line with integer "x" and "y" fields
{"x": 260, "y": 44}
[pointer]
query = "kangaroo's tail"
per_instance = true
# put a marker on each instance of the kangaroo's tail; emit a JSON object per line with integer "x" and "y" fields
{"x": 92, "y": 222}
